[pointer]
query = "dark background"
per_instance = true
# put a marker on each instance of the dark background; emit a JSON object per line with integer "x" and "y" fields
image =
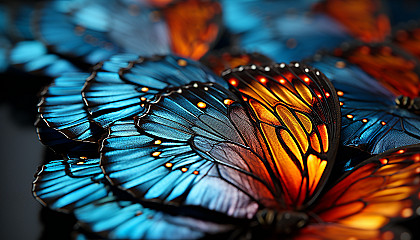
{"x": 20, "y": 154}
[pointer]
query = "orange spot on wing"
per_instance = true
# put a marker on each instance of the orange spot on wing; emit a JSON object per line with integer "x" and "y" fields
{"x": 384, "y": 161}
{"x": 228, "y": 101}
{"x": 201, "y": 105}
{"x": 233, "y": 82}
{"x": 262, "y": 79}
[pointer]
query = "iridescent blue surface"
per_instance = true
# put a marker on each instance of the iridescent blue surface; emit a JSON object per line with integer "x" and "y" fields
{"x": 365, "y": 98}
{"x": 281, "y": 30}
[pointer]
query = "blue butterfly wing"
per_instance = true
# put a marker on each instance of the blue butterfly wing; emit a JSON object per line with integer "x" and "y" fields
{"x": 121, "y": 86}
{"x": 252, "y": 12}
{"x": 65, "y": 185}
{"x": 63, "y": 145}
{"x": 33, "y": 57}
{"x": 283, "y": 36}
{"x": 370, "y": 117}
{"x": 16, "y": 21}
{"x": 63, "y": 109}
{"x": 85, "y": 30}
{"x": 78, "y": 186}
{"x": 190, "y": 156}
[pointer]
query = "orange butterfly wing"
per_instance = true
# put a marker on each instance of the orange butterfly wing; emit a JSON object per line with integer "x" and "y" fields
{"x": 362, "y": 18}
{"x": 193, "y": 25}
{"x": 397, "y": 72}
{"x": 366, "y": 199}
{"x": 295, "y": 110}
{"x": 409, "y": 40}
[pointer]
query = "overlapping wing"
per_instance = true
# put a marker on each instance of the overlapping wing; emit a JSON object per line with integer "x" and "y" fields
{"x": 378, "y": 191}
{"x": 95, "y": 30}
{"x": 188, "y": 150}
{"x": 120, "y": 87}
{"x": 283, "y": 31}
{"x": 296, "y": 112}
{"x": 371, "y": 118}
{"x": 66, "y": 185}
{"x": 78, "y": 186}
{"x": 395, "y": 70}
{"x": 33, "y": 57}
{"x": 63, "y": 109}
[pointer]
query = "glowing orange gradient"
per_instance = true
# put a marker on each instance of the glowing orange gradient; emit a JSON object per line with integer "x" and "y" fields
{"x": 409, "y": 40}
{"x": 275, "y": 105}
{"x": 361, "y": 17}
{"x": 393, "y": 71}
{"x": 192, "y": 27}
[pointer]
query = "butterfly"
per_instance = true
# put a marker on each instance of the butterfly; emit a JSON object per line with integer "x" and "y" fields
{"x": 376, "y": 86}
{"x": 201, "y": 159}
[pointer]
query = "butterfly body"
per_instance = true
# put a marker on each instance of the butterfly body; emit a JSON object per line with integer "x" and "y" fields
{"x": 281, "y": 222}
{"x": 411, "y": 104}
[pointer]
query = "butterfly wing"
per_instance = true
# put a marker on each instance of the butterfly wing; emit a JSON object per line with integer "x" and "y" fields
{"x": 277, "y": 30}
{"x": 364, "y": 19}
{"x": 63, "y": 109}
{"x": 370, "y": 116}
{"x": 193, "y": 40}
{"x": 200, "y": 137}
{"x": 65, "y": 185}
{"x": 387, "y": 64}
{"x": 297, "y": 117}
{"x": 120, "y": 87}
{"x": 378, "y": 191}
{"x": 33, "y": 57}
{"x": 188, "y": 155}
{"x": 83, "y": 29}
{"x": 78, "y": 186}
